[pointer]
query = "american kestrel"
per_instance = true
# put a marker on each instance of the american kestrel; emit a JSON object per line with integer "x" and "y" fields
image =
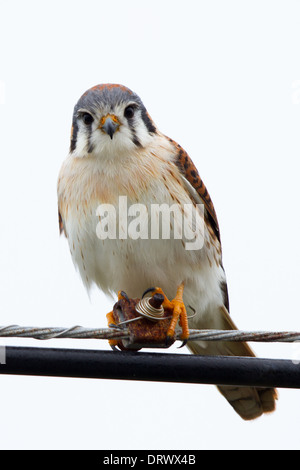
{"x": 117, "y": 151}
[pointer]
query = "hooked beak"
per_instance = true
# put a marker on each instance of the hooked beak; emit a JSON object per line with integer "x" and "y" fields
{"x": 109, "y": 124}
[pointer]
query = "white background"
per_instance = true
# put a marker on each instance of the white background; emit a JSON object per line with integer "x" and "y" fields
{"x": 221, "y": 78}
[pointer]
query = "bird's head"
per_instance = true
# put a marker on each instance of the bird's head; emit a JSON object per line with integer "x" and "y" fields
{"x": 108, "y": 120}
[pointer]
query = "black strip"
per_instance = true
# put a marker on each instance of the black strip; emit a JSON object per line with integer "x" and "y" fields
{"x": 136, "y": 140}
{"x": 74, "y": 136}
{"x": 161, "y": 367}
{"x": 90, "y": 145}
{"x": 134, "y": 136}
{"x": 148, "y": 123}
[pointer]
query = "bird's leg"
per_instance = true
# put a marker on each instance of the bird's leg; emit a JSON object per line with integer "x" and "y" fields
{"x": 178, "y": 312}
{"x": 111, "y": 321}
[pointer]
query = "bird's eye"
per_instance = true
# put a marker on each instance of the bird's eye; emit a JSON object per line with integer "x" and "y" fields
{"x": 87, "y": 118}
{"x": 129, "y": 112}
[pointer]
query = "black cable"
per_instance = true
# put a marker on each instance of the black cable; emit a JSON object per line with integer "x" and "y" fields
{"x": 162, "y": 367}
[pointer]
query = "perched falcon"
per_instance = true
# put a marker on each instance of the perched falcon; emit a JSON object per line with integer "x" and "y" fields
{"x": 116, "y": 150}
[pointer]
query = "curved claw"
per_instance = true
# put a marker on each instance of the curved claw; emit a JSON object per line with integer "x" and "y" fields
{"x": 169, "y": 340}
{"x": 184, "y": 342}
{"x": 151, "y": 289}
{"x": 124, "y": 295}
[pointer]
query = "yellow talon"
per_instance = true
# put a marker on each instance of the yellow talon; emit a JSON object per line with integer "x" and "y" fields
{"x": 111, "y": 321}
{"x": 178, "y": 312}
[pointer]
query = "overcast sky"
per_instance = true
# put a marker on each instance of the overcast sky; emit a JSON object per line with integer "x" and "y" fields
{"x": 223, "y": 80}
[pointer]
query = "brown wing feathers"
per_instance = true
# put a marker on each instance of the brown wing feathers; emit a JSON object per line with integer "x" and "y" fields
{"x": 190, "y": 172}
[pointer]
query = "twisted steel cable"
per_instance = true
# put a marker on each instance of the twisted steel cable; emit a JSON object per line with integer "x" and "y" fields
{"x": 79, "y": 332}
